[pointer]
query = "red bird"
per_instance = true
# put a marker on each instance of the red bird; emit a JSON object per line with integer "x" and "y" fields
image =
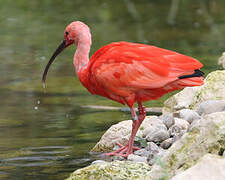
{"x": 128, "y": 72}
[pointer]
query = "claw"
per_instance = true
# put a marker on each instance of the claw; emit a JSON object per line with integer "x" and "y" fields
{"x": 122, "y": 151}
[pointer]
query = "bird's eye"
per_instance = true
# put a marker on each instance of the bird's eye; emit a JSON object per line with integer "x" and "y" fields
{"x": 67, "y": 33}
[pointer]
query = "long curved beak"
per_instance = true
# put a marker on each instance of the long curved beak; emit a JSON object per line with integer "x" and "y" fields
{"x": 60, "y": 48}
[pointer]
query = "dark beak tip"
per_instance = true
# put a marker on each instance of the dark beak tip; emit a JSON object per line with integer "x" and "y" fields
{"x": 57, "y": 51}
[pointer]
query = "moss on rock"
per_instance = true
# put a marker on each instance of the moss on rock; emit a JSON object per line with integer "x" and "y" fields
{"x": 206, "y": 136}
{"x": 122, "y": 170}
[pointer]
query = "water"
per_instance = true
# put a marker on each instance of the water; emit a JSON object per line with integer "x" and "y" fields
{"x": 45, "y": 133}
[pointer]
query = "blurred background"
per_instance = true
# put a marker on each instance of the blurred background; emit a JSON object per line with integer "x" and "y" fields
{"x": 45, "y": 133}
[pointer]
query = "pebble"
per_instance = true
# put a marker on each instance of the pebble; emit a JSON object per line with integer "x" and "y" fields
{"x": 136, "y": 158}
{"x": 188, "y": 115}
{"x": 153, "y": 124}
{"x": 167, "y": 119}
{"x": 151, "y": 146}
{"x": 142, "y": 152}
{"x": 166, "y": 143}
{"x": 158, "y": 135}
{"x": 179, "y": 128}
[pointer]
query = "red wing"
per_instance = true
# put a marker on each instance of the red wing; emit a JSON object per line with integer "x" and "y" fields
{"x": 122, "y": 66}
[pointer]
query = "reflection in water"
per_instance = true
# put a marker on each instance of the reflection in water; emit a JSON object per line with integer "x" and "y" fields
{"x": 45, "y": 134}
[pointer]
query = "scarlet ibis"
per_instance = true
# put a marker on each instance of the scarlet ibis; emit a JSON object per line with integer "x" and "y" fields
{"x": 128, "y": 73}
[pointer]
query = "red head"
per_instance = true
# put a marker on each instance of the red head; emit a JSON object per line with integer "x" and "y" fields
{"x": 76, "y": 32}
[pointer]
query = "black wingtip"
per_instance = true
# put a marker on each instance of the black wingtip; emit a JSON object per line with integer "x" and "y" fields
{"x": 197, "y": 73}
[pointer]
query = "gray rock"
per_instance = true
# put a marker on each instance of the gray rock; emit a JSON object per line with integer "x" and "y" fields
{"x": 151, "y": 124}
{"x": 188, "y": 115}
{"x": 156, "y": 131}
{"x": 158, "y": 135}
{"x": 210, "y": 167}
{"x": 142, "y": 152}
{"x": 179, "y": 128}
{"x": 152, "y": 147}
{"x": 191, "y": 97}
{"x": 211, "y": 106}
{"x": 167, "y": 143}
{"x": 167, "y": 119}
{"x": 136, "y": 158}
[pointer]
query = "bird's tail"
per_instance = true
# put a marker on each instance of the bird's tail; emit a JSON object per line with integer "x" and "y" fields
{"x": 194, "y": 79}
{"x": 197, "y": 73}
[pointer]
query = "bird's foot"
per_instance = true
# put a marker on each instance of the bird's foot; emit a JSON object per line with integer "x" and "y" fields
{"x": 123, "y": 151}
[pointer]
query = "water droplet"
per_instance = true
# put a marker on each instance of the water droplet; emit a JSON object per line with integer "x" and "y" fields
{"x": 44, "y": 85}
{"x": 36, "y": 108}
{"x": 43, "y": 58}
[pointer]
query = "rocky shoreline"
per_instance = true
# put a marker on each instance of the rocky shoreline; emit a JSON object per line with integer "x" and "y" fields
{"x": 190, "y": 130}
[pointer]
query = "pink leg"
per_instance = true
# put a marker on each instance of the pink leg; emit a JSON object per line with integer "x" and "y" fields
{"x": 128, "y": 149}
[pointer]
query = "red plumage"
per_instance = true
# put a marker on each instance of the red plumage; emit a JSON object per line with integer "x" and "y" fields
{"x": 129, "y": 72}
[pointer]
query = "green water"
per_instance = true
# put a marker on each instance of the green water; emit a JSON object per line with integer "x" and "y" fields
{"x": 45, "y": 133}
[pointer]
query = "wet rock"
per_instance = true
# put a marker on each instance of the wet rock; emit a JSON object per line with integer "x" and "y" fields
{"x": 210, "y": 167}
{"x": 167, "y": 143}
{"x": 191, "y": 97}
{"x": 188, "y": 115}
{"x": 221, "y": 60}
{"x": 207, "y": 136}
{"x": 211, "y": 106}
{"x": 112, "y": 170}
{"x": 136, "y": 158}
{"x": 168, "y": 120}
